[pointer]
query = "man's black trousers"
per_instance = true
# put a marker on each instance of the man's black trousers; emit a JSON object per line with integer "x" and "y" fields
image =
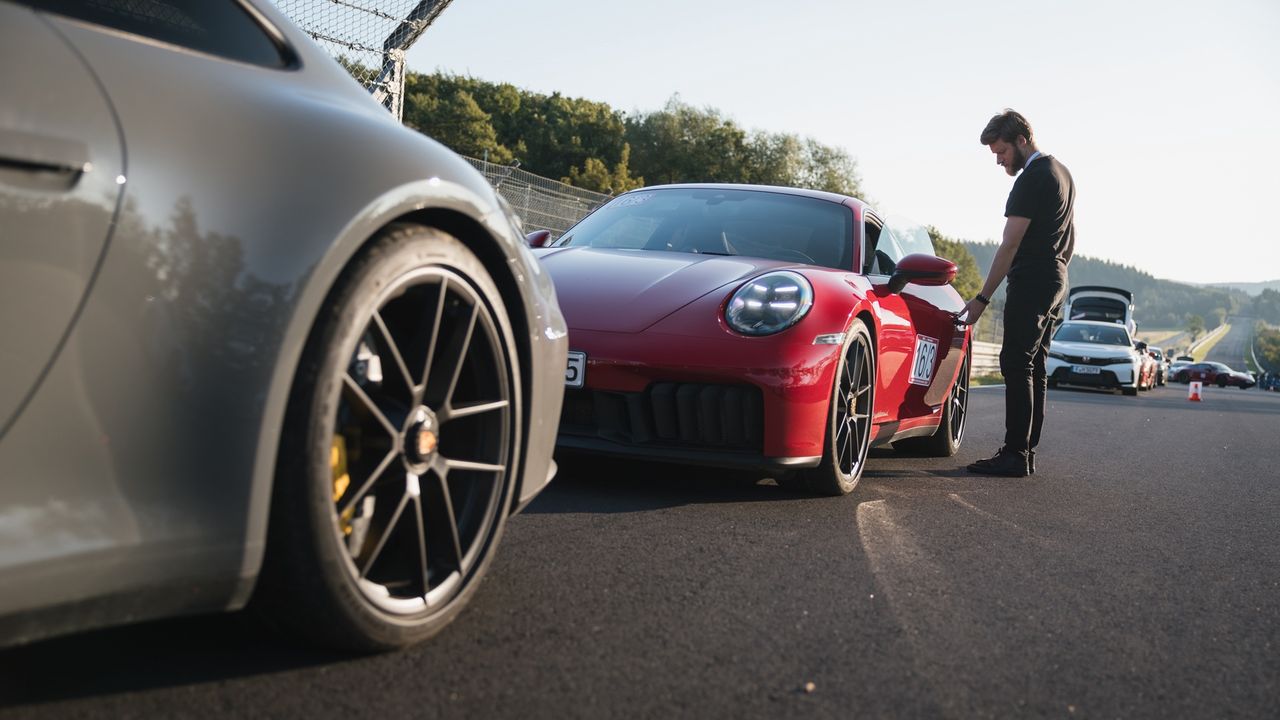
{"x": 1029, "y": 311}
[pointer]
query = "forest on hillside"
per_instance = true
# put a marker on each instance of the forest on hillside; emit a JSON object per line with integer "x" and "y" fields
{"x": 592, "y": 145}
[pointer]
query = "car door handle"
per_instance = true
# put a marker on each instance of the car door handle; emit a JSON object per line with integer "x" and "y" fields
{"x": 57, "y": 162}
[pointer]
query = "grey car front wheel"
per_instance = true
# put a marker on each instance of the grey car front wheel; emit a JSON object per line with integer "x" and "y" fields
{"x": 399, "y": 453}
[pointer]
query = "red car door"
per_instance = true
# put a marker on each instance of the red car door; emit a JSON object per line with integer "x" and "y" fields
{"x": 919, "y": 348}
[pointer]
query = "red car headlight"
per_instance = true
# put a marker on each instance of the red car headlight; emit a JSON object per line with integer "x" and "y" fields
{"x": 769, "y": 304}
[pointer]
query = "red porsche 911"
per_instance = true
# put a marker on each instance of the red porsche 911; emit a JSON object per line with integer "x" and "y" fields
{"x": 757, "y": 327}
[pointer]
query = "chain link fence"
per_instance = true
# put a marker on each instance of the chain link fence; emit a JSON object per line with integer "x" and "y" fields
{"x": 542, "y": 203}
{"x": 369, "y": 37}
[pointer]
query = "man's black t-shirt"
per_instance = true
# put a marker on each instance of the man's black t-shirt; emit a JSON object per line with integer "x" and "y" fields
{"x": 1045, "y": 194}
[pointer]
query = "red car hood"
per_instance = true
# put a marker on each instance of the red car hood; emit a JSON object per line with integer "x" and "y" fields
{"x": 629, "y": 290}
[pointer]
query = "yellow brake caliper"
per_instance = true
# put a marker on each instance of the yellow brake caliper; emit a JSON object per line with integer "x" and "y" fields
{"x": 341, "y": 480}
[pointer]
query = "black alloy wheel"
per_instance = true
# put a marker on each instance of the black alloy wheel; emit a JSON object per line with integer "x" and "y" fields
{"x": 848, "y": 436}
{"x": 945, "y": 442}
{"x": 399, "y": 457}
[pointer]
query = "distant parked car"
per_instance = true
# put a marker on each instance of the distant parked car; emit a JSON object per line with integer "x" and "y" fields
{"x": 1149, "y": 373}
{"x": 1099, "y": 355}
{"x": 1162, "y": 364}
{"x": 1174, "y": 367}
{"x": 1216, "y": 373}
{"x": 1101, "y": 304}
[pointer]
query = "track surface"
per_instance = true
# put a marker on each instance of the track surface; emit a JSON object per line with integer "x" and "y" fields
{"x": 1136, "y": 575}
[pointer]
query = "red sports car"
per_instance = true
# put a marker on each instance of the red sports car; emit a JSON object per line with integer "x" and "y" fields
{"x": 757, "y": 327}
{"x": 1216, "y": 373}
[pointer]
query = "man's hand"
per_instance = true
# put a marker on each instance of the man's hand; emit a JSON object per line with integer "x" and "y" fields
{"x": 971, "y": 312}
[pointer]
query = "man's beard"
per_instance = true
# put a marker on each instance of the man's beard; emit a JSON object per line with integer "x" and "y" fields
{"x": 1020, "y": 156}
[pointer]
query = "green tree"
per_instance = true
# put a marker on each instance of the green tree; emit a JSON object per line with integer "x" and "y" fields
{"x": 450, "y": 114}
{"x": 1195, "y": 327}
{"x": 595, "y": 176}
{"x": 968, "y": 278}
{"x": 824, "y": 167}
{"x": 1266, "y": 306}
{"x": 681, "y": 143}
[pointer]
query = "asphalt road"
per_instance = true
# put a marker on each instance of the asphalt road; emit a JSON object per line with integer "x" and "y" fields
{"x": 1234, "y": 346}
{"x": 1137, "y": 574}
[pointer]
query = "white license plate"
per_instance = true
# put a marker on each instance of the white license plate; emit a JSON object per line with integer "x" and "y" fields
{"x": 576, "y": 370}
{"x": 1085, "y": 370}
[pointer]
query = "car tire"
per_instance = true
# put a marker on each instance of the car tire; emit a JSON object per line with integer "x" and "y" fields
{"x": 1052, "y": 384}
{"x": 848, "y": 434}
{"x": 1222, "y": 382}
{"x": 1130, "y": 391}
{"x": 399, "y": 451}
{"x": 946, "y": 441}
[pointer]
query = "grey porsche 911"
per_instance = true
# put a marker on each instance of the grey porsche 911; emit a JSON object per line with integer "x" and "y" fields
{"x": 260, "y": 343}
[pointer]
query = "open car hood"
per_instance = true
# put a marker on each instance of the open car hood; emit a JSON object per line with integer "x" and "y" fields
{"x": 629, "y": 290}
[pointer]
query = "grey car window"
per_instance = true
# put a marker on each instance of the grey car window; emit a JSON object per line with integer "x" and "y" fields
{"x": 218, "y": 27}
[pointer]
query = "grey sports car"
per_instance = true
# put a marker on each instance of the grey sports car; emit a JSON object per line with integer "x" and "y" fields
{"x": 258, "y": 341}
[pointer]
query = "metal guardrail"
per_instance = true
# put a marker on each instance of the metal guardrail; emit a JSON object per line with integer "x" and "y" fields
{"x": 542, "y": 203}
{"x": 985, "y": 359}
{"x": 1213, "y": 335}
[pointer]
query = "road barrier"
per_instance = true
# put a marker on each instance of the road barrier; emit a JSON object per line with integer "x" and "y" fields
{"x": 985, "y": 359}
{"x": 1211, "y": 337}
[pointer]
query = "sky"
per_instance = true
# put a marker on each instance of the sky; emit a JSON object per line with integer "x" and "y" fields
{"x": 1166, "y": 113}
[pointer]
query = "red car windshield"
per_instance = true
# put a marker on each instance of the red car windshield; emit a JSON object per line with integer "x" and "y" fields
{"x": 755, "y": 223}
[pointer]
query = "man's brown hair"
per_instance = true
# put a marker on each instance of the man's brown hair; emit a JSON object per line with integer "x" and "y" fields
{"x": 1006, "y": 126}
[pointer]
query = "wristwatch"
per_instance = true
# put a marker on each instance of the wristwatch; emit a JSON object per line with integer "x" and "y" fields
{"x": 982, "y": 299}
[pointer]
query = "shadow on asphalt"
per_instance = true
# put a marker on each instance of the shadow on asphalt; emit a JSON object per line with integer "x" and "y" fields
{"x": 605, "y": 485}
{"x": 600, "y": 485}
{"x": 165, "y": 653}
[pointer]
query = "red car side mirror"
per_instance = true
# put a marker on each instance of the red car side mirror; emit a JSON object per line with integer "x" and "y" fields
{"x": 538, "y": 238}
{"x": 923, "y": 270}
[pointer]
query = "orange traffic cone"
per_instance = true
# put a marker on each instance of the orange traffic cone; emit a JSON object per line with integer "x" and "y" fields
{"x": 1193, "y": 392}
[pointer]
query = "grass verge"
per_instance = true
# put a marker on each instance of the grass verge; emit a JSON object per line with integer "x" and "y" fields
{"x": 1203, "y": 351}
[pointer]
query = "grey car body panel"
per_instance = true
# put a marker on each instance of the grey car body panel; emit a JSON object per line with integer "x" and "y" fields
{"x": 57, "y": 216}
{"x": 139, "y": 474}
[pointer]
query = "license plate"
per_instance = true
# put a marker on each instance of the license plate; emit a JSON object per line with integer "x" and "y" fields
{"x": 1085, "y": 370}
{"x": 576, "y": 370}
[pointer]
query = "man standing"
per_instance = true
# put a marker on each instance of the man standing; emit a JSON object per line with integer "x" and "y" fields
{"x": 1039, "y": 236}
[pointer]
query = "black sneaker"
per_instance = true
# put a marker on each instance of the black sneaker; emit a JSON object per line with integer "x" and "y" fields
{"x": 1005, "y": 463}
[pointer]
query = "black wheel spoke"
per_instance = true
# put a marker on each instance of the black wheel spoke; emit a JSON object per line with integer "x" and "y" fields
{"x": 454, "y": 464}
{"x": 444, "y": 519}
{"x": 384, "y": 536}
{"x": 436, "y": 322}
{"x": 459, "y": 352}
{"x": 454, "y": 413}
{"x": 851, "y": 444}
{"x": 354, "y": 497}
{"x": 387, "y": 345}
{"x": 368, "y": 404}
{"x": 422, "y": 544}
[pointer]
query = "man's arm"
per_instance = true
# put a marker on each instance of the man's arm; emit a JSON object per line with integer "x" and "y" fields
{"x": 1014, "y": 230}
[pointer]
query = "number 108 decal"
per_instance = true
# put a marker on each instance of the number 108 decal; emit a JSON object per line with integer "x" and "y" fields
{"x": 925, "y": 357}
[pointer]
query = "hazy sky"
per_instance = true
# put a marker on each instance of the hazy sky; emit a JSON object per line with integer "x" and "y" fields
{"x": 1167, "y": 113}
